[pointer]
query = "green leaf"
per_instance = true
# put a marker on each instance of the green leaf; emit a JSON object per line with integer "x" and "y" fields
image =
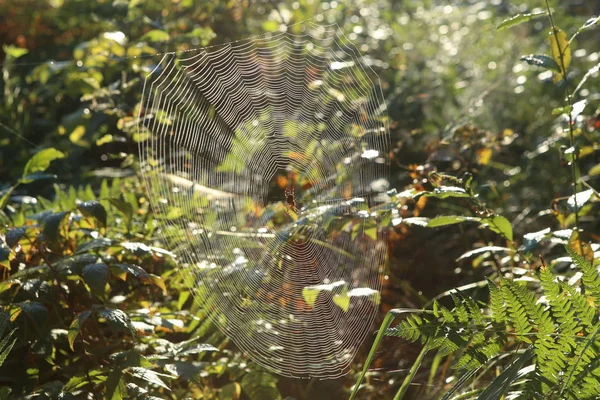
{"x": 6, "y": 346}
{"x": 502, "y": 382}
{"x": 94, "y": 209}
{"x": 76, "y": 325}
{"x": 519, "y": 19}
{"x": 155, "y": 35}
{"x": 116, "y": 389}
{"x": 134, "y": 270}
{"x": 6, "y": 196}
{"x": 500, "y": 225}
{"x": 96, "y": 276}
{"x": 444, "y": 192}
{"x": 35, "y": 313}
{"x": 310, "y": 295}
{"x": 95, "y": 244}
{"x": 158, "y": 281}
{"x": 118, "y": 320}
{"x": 14, "y": 51}
{"x": 342, "y": 300}
{"x": 40, "y": 162}
{"x": 260, "y": 385}
{"x": 561, "y": 52}
{"x": 149, "y": 376}
{"x": 52, "y": 225}
{"x": 270, "y": 26}
{"x": 540, "y": 60}
{"x": 449, "y": 220}
{"x": 124, "y": 207}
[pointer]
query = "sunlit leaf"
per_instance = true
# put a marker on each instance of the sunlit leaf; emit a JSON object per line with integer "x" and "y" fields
{"x": 150, "y": 376}
{"x": 94, "y": 209}
{"x": 540, "y": 60}
{"x": 580, "y": 199}
{"x": 155, "y": 35}
{"x": 76, "y": 325}
{"x": 342, "y": 300}
{"x": 449, "y": 220}
{"x": 561, "y": 52}
{"x": 481, "y": 250}
{"x": 519, "y": 19}
{"x": 116, "y": 389}
{"x": 499, "y": 224}
{"x": 40, "y": 162}
{"x": 118, "y": 320}
{"x": 14, "y": 51}
{"x": 158, "y": 281}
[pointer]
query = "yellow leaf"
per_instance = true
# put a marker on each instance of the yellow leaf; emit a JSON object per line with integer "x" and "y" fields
{"x": 561, "y": 52}
{"x": 484, "y": 155}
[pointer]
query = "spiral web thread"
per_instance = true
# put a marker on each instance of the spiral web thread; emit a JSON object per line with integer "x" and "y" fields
{"x": 265, "y": 163}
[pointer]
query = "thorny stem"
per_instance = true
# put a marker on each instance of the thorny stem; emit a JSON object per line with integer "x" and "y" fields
{"x": 571, "y": 134}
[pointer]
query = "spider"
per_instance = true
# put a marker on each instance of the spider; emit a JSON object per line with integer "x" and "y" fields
{"x": 290, "y": 198}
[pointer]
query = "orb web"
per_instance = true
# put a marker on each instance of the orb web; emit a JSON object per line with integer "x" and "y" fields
{"x": 265, "y": 161}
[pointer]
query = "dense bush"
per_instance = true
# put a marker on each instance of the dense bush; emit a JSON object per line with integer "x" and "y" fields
{"x": 493, "y": 228}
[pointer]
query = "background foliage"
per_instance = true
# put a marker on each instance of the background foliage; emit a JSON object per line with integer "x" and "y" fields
{"x": 486, "y": 156}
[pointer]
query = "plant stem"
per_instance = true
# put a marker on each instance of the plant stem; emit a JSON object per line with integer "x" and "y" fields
{"x": 574, "y": 161}
{"x": 411, "y": 374}
{"x": 389, "y": 317}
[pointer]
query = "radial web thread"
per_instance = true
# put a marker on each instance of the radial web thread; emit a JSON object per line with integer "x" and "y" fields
{"x": 265, "y": 160}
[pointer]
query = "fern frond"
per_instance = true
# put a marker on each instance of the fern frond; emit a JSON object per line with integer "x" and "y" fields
{"x": 590, "y": 278}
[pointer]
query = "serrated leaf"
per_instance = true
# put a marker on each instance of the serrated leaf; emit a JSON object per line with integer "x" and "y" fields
{"x": 519, "y": 19}
{"x": 134, "y": 270}
{"x": 540, "y": 60}
{"x": 52, "y": 225}
{"x": 149, "y": 376}
{"x": 13, "y": 236}
{"x": 95, "y": 244}
{"x": 118, "y": 320}
{"x": 40, "y": 162}
{"x": 186, "y": 370}
{"x": 96, "y": 276}
{"x": 94, "y": 209}
{"x": 76, "y": 325}
{"x": 561, "y": 52}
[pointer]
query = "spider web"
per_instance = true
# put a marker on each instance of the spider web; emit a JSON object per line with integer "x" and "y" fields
{"x": 265, "y": 165}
